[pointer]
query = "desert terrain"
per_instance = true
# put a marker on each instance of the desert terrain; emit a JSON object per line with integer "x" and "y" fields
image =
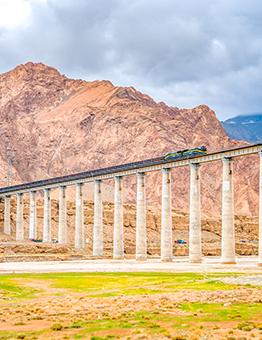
{"x": 130, "y": 306}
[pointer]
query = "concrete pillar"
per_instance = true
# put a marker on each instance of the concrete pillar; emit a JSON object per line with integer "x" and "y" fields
{"x": 260, "y": 214}
{"x": 195, "y": 251}
{"x": 141, "y": 249}
{"x": 79, "y": 229}
{"x": 19, "y": 218}
{"x": 98, "y": 221}
{"x": 7, "y": 225}
{"x": 166, "y": 218}
{"x": 228, "y": 232}
{"x": 118, "y": 252}
{"x": 47, "y": 216}
{"x": 62, "y": 228}
{"x": 33, "y": 216}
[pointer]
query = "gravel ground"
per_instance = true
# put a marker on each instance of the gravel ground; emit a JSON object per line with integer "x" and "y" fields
{"x": 245, "y": 264}
{"x": 254, "y": 280}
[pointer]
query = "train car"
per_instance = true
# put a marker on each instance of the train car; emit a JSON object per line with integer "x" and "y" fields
{"x": 187, "y": 152}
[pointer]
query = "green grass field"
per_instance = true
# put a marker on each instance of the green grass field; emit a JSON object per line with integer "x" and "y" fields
{"x": 113, "y": 283}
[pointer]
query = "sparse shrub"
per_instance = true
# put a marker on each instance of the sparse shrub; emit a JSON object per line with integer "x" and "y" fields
{"x": 37, "y": 317}
{"x": 154, "y": 325}
{"x": 20, "y": 336}
{"x": 19, "y": 323}
{"x": 56, "y": 327}
{"x": 246, "y": 326}
{"x": 76, "y": 325}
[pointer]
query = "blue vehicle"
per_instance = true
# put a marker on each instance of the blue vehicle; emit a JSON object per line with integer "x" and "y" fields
{"x": 180, "y": 241}
{"x": 187, "y": 152}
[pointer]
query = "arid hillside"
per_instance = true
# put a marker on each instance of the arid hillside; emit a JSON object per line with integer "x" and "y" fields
{"x": 59, "y": 126}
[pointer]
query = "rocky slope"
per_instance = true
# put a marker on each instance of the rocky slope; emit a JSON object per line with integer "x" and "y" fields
{"x": 59, "y": 126}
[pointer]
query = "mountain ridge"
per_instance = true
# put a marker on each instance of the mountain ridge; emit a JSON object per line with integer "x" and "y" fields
{"x": 60, "y": 126}
{"x": 244, "y": 127}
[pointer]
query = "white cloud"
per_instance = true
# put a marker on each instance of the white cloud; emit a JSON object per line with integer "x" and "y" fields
{"x": 14, "y": 13}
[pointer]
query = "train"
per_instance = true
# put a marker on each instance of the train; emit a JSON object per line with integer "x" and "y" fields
{"x": 83, "y": 176}
{"x": 187, "y": 152}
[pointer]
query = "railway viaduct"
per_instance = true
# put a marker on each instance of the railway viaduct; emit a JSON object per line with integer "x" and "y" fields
{"x": 140, "y": 169}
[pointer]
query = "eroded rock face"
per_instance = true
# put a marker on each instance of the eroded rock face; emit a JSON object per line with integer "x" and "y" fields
{"x": 59, "y": 126}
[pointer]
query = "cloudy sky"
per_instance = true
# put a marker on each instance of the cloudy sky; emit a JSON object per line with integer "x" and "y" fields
{"x": 184, "y": 53}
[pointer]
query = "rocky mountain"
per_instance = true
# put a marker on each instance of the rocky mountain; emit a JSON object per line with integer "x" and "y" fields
{"x": 246, "y": 127}
{"x": 58, "y": 126}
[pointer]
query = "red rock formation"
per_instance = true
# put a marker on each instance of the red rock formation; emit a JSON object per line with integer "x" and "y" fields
{"x": 60, "y": 126}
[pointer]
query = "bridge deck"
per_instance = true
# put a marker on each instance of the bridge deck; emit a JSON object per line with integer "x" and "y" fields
{"x": 148, "y": 165}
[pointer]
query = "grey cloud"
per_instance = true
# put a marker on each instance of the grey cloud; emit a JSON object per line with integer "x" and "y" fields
{"x": 184, "y": 53}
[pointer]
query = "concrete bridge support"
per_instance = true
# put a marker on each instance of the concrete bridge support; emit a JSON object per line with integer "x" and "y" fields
{"x": 166, "y": 218}
{"x": 260, "y": 214}
{"x": 33, "y": 216}
{"x": 62, "y": 227}
{"x": 79, "y": 228}
{"x": 7, "y": 225}
{"x": 195, "y": 251}
{"x": 141, "y": 248}
{"x": 118, "y": 252}
{"x": 228, "y": 232}
{"x": 98, "y": 220}
{"x": 47, "y": 216}
{"x": 19, "y": 218}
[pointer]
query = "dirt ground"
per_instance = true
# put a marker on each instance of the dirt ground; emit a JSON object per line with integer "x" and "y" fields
{"x": 47, "y": 309}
